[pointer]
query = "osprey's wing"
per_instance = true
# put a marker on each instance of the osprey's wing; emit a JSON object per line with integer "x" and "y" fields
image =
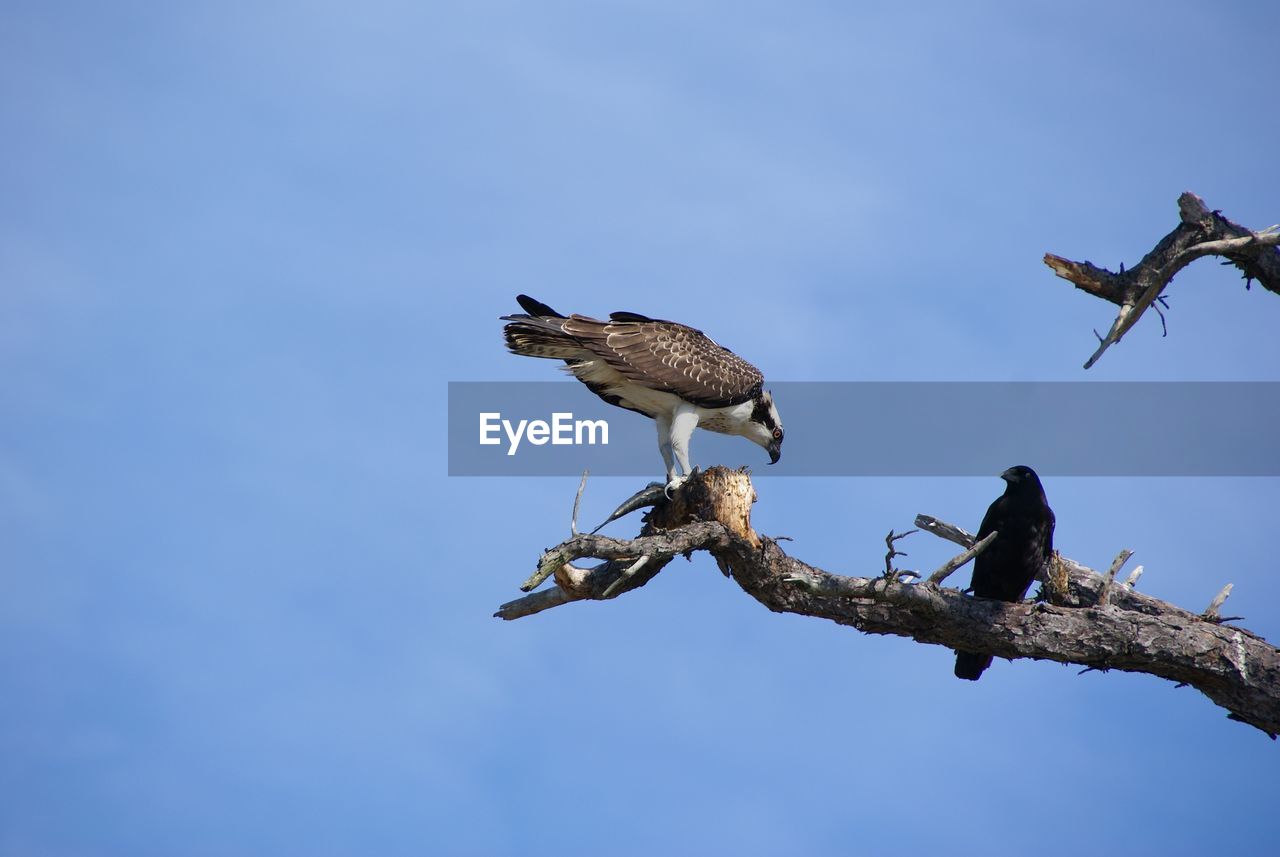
{"x": 665, "y": 355}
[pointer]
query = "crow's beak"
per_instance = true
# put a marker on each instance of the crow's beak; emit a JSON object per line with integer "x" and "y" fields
{"x": 775, "y": 451}
{"x": 1009, "y": 475}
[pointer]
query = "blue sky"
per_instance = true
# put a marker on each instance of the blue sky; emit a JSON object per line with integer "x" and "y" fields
{"x": 244, "y": 247}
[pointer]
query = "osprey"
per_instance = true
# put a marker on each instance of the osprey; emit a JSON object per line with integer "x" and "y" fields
{"x": 667, "y": 371}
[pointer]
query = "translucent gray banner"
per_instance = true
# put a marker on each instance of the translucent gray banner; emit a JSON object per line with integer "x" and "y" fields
{"x": 890, "y": 429}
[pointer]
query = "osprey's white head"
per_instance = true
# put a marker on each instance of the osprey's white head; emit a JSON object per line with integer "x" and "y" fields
{"x": 765, "y": 426}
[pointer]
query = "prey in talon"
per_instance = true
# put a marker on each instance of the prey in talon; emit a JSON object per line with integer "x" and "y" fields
{"x": 647, "y": 497}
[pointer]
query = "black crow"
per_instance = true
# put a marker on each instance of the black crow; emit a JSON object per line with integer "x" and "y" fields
{"x": 1005, "y": 570}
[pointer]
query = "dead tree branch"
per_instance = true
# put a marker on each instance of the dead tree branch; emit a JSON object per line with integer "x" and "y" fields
{"x": 1200, "y": 233}
{"x": 955, "y": 562}
{"x": 891, "y": 542}
{"x": 1235, "y": 668}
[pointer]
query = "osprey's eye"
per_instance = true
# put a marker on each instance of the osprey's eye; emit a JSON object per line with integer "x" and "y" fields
{"x": 777, "y": 434}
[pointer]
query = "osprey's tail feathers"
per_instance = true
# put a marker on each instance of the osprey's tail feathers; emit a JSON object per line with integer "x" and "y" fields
{"x": 970, "y": 666}
{"x": 537, "y": 337}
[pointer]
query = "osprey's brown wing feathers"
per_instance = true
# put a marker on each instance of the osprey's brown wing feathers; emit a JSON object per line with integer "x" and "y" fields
{"x": 668, "y": 356}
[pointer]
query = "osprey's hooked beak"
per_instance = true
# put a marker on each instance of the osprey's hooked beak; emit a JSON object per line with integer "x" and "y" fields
{"x": 775, "y": 451}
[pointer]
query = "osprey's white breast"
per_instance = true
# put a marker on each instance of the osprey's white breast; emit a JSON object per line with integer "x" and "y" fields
{"x": 654, "y": 403}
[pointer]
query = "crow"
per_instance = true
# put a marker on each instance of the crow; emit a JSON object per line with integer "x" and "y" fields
{"x": 1005, "y": 570}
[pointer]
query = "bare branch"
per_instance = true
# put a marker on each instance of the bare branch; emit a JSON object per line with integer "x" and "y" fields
{"x": 1200, "y": 233}
{"x": 943, "y": 530}
{"x": 890, "y": 542}
{"x": 1235, "y": 668}
{"x": 627, "y": 573}
{"x": 1104, "y": 593}
{"x": 535, "y": 603}
{"x": 1132, "y": 580}
{"x": 945, "y": 570}
{"x": 573, "y": 522}
{"x": 1211, "y": 613}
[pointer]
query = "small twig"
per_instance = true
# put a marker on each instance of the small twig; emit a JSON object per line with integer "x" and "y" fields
{"x": 1211, "y": 613}
{"x": 943, "y": 530}
{"x": 1164, "y": 327}
{"x": 1132, "y": 580}
{"x": 625, "y": 576}
{"x": 547, "y": 565}
{"x": 890, "y": 541}
{"x": 955, "y": 562}
{"x": 1104, "y": 594}
{"x": 1125, "y": 319}
{"x": 573, "y": 522}
{"x": 534, "y": 603}
{"x": 1266, "y": 238}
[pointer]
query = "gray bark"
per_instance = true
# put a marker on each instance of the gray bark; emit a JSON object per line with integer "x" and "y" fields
{"x": 1125, "y": 630}
{"x": 1200, "y": 233}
